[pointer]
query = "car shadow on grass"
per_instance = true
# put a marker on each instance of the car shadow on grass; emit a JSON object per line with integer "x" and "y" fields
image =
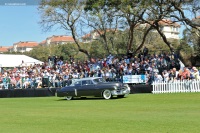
{"x": 84, "y": 98}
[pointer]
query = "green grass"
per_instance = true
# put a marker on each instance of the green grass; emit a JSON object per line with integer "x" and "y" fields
{"x": 139, "y": 113}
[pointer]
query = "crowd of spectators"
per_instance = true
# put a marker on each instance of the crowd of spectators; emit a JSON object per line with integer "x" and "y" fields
{"x": 57, "y": 72}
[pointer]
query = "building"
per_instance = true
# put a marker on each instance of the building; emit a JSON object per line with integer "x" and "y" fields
{"x": 170, "y": 29}
{"x": 56, "y": 40}
{"x": 43, "y": 43}
{"x": 94, "y": 35}
{"x": 90, "y": 37}
{"x": 4, "y": 49}
{"x": 23, "y": 46}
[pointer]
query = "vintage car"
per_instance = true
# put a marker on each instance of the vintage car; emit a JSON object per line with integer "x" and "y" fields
{"x": 93, "y": 86}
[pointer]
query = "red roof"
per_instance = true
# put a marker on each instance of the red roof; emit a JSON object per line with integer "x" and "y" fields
{"x": 10, "y": 47}
{"x": 196, "y": 18}
{"x": 62, "y": 39}
{"x": 163, "y": 22}
{"x": 43, "y": 42}
{"x": 4, "y": 49}
{"x": 27, "y": 44}
{"x": 98, "y": 31}
{"x": 86, "y": 36}
{"x": 168, "y": 22}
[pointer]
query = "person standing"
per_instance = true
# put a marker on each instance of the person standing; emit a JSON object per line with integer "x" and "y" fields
{"x": 22, "y": 77}
{"x": 45, "y": 79}
{"x": 5, "y": 83}
{"x": 186, "y": 73}
{"x": 196, "y": 74}
{"x": 165, "y": 75}
{"x": 145, "y": 51}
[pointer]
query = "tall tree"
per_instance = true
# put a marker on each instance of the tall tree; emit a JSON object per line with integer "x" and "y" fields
{"x": 175, "y": 10}
{"x": 65, "y": 14}
{"x": 103, "y": 22}
{"x": 129, "y": 12}
{"x": 102, "y": 15}
{"x": 153, "y": 12}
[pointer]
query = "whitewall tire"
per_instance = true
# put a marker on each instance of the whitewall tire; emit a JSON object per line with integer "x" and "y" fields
{"x": 68, "y": 97}
{"x": 107, "y": 94}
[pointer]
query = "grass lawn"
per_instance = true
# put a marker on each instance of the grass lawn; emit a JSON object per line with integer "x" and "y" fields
{"x": 138, "y": 113}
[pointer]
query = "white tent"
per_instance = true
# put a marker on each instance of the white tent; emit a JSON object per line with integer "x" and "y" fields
{"x": 10, "y": 60}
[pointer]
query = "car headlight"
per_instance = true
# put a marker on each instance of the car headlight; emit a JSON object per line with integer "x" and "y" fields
{"x": 115, "y": 87}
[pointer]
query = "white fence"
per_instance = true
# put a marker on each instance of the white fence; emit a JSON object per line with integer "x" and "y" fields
{"x": 176, "y": 86}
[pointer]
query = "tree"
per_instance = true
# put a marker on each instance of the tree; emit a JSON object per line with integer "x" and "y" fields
{"x": 97, "y": 49}
{"x": 190, "y": 45}
{"x": 192, "y": 37}
{"x": 152, "y": 12}
{"x": 103, "y": 22}
{"x": 65, "y": 14}
{"x": 175, "y": 10}
{"x": 39, "y": 52}
{"x": 105, "y": 15}
{"x": 67, "y": 50}
{"x": 129, "y": 12}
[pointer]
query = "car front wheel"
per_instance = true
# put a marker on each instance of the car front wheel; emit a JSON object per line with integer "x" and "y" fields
{"x": 107, "y": 94}
{"x": 68, "y": 97}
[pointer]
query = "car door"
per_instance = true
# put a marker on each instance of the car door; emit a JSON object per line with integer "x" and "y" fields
{"x": 99, "y": 87}
{"x": 87, "y": 88}
{"x": 77, "y": 88}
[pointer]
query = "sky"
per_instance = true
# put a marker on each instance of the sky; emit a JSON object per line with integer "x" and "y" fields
{"x": 20, "y": 23}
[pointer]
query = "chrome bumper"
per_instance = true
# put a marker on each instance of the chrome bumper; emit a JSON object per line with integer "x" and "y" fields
{"x": 121, "y": 92}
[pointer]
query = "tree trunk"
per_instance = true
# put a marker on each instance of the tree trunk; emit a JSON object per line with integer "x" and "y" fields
{"x": 130, "y": 42}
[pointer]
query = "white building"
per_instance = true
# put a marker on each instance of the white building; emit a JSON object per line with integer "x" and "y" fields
{"x": 57, "y": 40}
{"x": 23, "y": 46}
{"x": 169, "y": 28}
{"x": 94, "y": 35}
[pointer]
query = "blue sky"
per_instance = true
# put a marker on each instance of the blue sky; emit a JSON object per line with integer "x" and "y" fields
{"x": 20, "y": 23}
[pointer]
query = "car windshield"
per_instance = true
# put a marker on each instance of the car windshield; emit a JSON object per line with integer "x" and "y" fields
{"x": 99, "y": 80}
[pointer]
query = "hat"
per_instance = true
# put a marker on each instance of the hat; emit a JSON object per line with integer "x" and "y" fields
{"x": 195, "y": 69}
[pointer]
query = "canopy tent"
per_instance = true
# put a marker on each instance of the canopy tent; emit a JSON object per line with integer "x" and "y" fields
{"x": 10, "y": 60}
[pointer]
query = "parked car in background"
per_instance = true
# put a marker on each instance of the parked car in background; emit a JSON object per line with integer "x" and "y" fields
{"x": 93, "y": 86}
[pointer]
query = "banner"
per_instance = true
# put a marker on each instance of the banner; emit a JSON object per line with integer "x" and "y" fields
{"x": 134, "y": 79}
